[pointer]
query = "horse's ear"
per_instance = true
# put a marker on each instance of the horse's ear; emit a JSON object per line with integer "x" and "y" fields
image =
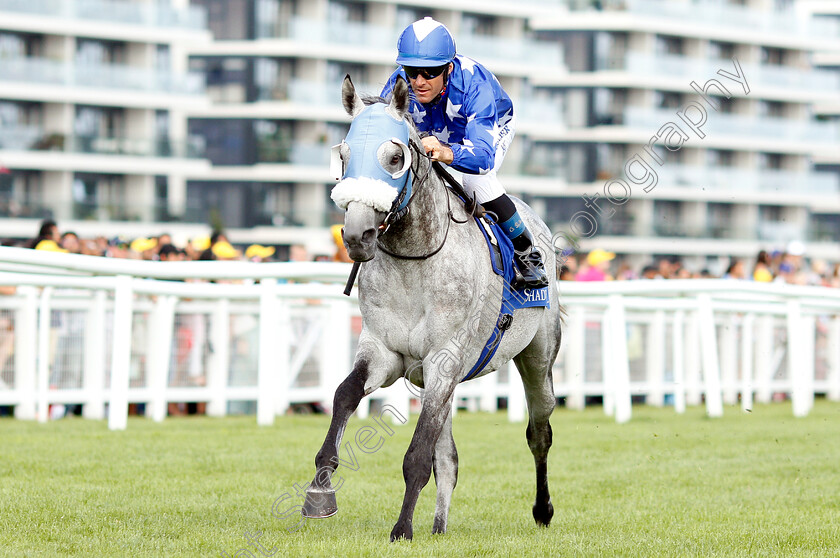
{"x": 399, "y": 98}
{"x": 350, "y": 98}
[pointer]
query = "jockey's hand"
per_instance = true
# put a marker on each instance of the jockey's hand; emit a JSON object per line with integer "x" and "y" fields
{"x": 437, "y": 150}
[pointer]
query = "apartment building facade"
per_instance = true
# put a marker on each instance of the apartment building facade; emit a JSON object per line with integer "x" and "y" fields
{"x": 223, "y": 112}
{"x": 93, "y": 129}
{"x": 751, "y": 177}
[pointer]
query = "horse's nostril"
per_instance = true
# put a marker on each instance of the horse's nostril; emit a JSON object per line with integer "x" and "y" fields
{"x": 369, "y": 236}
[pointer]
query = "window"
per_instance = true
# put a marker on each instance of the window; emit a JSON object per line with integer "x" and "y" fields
{"x": 357, "y": 72}
{"x": 772, "y": 56}
{"x": 721, "y": 50}
{"x": 474, "y": 24}
{"x": 668, "y": 100}
{"x": 721, "y": 157}
{"x": 772, "y": 109}
{"x": 97, "y": 52}
{"x": 666, "y": 44}
{"x": 406, "y": 16}
{"x": 667, "y": 218}
{"x": 770, "y": 160}
{"x": 347, "y": 12}
{"x": 719, "y": 219}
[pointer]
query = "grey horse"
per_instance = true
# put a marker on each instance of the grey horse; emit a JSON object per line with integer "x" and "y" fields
{"x": 429, "y": 301}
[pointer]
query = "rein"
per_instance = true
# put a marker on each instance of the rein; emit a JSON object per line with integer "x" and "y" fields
{"x": 392, "y": 217}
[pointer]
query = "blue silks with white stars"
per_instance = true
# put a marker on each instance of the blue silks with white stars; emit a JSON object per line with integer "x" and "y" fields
{"x": 468, "y": 116}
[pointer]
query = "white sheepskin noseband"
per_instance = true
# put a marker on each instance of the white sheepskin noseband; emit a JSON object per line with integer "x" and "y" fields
{"x": 368, "y": 191}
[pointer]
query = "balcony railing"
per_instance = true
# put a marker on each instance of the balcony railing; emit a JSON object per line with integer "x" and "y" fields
{"x": 715, "y": 12}
{"x": 545, "y": 54}
{"x": 151, "y": 14}
{"x": 384, "y": 39}
{"x": 733, "y": 179}
{"x": 342, "y": 33}
{"x": 33, "y": 138}
{"x": 271, "y": 150}
{"x": 687, "y": 68}
{"x": 111, "y": 76}
{"x": 312, "y": 92}
{"x": 729, "y": 124}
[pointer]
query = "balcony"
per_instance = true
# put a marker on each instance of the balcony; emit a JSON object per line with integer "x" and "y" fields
{"x": 54, "y": 72}
{"x": 686, "y": 68}
{"x": 33, "y": 138}
{"x": 544, "y": 54}
{"x": 384, "y": 40}
{"x": 149, "y": 14}
{"x": 338, "y": 33}
{"x": 733, "y": 179}
{"x": 717, "y": 14}
{"x": 273, "y": 150}
{"x": 312, "y": 92}
{"x": 729, "y": 124}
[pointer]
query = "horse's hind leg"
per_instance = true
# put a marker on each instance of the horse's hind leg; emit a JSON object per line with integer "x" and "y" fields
{"x": 445, "y": 466}
{"x": 371, "y": 370}
{"x": 535, "y": 370}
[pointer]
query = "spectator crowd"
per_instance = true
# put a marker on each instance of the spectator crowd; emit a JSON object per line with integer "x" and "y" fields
{"x": 788, "y": 265}
{"x": 216, "y": 246}
{"x": 779, "y": 266}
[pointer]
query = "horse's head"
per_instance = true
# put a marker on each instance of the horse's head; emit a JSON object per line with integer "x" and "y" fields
{"x": 373, "y": 164}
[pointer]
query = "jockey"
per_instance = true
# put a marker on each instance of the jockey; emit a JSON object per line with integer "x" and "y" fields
{"x": 470, "y": 118}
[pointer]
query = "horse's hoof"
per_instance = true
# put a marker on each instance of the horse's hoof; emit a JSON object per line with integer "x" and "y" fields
{"x": 402, "y": 532}
{"x": 319, "y": 503}
{"x": 543, "y": 514}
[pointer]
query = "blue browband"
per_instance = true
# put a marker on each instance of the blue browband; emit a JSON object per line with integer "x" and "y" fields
{"x": 368, "y": 131}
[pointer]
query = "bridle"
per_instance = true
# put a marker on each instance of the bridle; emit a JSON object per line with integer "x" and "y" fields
{"x": 393, "y": 215}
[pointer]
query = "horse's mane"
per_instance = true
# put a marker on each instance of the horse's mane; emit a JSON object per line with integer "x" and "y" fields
{"x": 373, "y": 99}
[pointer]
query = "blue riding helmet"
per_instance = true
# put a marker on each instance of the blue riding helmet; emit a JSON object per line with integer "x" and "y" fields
{"x": 425, "y": 44}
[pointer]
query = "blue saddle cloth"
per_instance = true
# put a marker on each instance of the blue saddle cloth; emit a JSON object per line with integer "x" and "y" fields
{"x": 501, "y": 258}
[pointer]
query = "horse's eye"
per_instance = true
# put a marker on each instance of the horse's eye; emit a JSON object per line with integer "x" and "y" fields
{"x": 396, "y": 159}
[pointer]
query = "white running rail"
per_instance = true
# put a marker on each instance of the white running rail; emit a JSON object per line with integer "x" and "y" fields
{"x": 106, "y": 334}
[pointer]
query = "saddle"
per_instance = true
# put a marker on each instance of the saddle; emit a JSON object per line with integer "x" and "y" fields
{"x": 501, "y": 260}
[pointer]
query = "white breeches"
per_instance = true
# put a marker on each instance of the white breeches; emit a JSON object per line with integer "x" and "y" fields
{"x": 487, "y": 186}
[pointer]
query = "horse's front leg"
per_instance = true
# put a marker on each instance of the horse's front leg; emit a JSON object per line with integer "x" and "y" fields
{"x": 417, "y": 464}
{"x": 374, "y": 365}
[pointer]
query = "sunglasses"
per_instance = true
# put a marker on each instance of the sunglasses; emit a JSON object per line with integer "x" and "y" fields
{"x": 427, "y": 73}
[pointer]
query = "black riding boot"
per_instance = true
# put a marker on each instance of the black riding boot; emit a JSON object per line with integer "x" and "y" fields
{"x": 529, "y": 263}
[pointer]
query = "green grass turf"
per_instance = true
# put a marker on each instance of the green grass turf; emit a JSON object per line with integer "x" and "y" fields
{"x": 748, "y": 484}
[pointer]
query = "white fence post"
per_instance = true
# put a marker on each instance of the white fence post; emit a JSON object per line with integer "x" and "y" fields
{"x": 655, "y": 365}
{"x": 575, "y": 347}
{"x": 488, "y": 400}
{"x": 747, "y": 349}
{"x": 692, "y": 360}
{"x": 800, "y": 348}
{"x": 834, "y": 359}
{"x": 729, "y": 359}
{"x": 708, "y": 344}
{"x": 159, "y": 354}
{"x": 620, "y": 360}
{"x": 44, "y": 343}
{"x": 94, "y": 358}
{"x": 608, "y": 363}
{"x": 764, "y": 348}
{"x": 26, "y": 354}
{"x": 267, "y": 372}
{"x": 336, "y": 360}
{"x": 121, "y": 355}
{"x": 218, "y": 367}
{"x": 517, "y": 406}
{"x": 679, "y": 361}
